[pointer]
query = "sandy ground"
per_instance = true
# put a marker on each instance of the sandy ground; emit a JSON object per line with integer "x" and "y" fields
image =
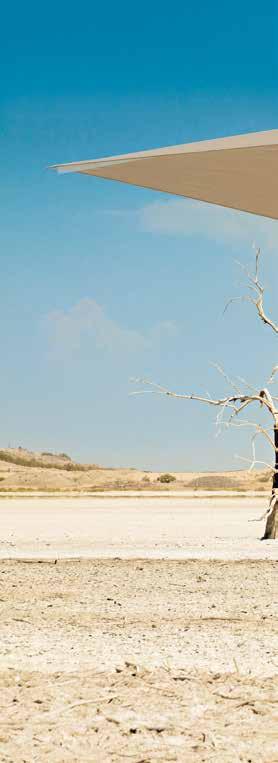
{"x": 170, "y": 527}
{"x": 131, "y": 657}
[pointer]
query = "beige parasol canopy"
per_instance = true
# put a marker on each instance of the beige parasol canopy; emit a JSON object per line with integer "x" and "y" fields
{"x": 240, "y": 172}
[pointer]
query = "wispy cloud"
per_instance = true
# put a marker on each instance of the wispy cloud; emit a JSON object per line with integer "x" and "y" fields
{"x": 184, "y": 217}
{"x": 87, "y": 321}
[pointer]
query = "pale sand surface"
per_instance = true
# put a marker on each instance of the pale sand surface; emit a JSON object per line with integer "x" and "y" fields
{"x": 153, "y": 527}
{"x": 141, "y": 659}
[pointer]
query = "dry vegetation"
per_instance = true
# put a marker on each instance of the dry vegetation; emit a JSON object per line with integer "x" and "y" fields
{"x": 21, "y": 470}
{"x": 45, "y": 460}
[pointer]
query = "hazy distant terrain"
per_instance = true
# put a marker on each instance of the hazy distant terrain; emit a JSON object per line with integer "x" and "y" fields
{"x": 21, "y": 469}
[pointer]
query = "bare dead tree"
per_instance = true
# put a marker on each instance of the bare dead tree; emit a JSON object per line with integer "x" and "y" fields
{"x": 242, "y": 396}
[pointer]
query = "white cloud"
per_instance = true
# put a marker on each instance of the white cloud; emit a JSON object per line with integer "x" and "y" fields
{"x": 191, "y": 218}
{"x": 87, "y": 320}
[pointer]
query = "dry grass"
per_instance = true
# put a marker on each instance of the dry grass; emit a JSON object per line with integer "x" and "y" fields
{"x": 140, "y": 715}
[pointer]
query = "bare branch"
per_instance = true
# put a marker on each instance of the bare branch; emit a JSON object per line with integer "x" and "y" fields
{"x": 226, "y": 377}
{"x": 260, "y": 308}
{"x": 273, "y": 373}
{"x": 246, "y": 383}
{"x": 239, "y": 409}
{"x": 243, "y": 298}
{"x": 259, "y": 430}
{"x": 258, "y": 254}
{"x": 254, "y": 461}
{"x": 156, "y": 389}
{"x": 258, "y": 300}
{"x": 230, "y": 401}
{"x": 267, "y": 512}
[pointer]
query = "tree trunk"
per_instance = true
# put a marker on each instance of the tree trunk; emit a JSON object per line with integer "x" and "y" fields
{"x": 271, "y": 528}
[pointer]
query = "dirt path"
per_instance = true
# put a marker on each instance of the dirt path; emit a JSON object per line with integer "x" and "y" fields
{"x": 115, "y": 660}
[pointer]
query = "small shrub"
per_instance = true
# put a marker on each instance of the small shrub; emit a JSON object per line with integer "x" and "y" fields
{"x": 56, "y": 455}
{"x": 215, "y": 482}
{"x": 23, "y": 461}
{"x": 166, "y": 478}
{"x": 265, "y": 477}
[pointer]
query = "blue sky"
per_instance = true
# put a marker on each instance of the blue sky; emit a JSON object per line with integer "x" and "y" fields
{"x": 101, "y": 282}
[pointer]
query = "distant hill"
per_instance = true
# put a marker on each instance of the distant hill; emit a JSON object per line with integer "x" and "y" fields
{"x": 21, "y": 469}
{"x": 45, "y": 460}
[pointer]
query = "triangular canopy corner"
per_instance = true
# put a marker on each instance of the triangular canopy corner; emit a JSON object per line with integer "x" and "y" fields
{"x": 240, "y": 172}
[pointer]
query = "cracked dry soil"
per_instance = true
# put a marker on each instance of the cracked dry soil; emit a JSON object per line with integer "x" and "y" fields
{"x": 139, "y": 660}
